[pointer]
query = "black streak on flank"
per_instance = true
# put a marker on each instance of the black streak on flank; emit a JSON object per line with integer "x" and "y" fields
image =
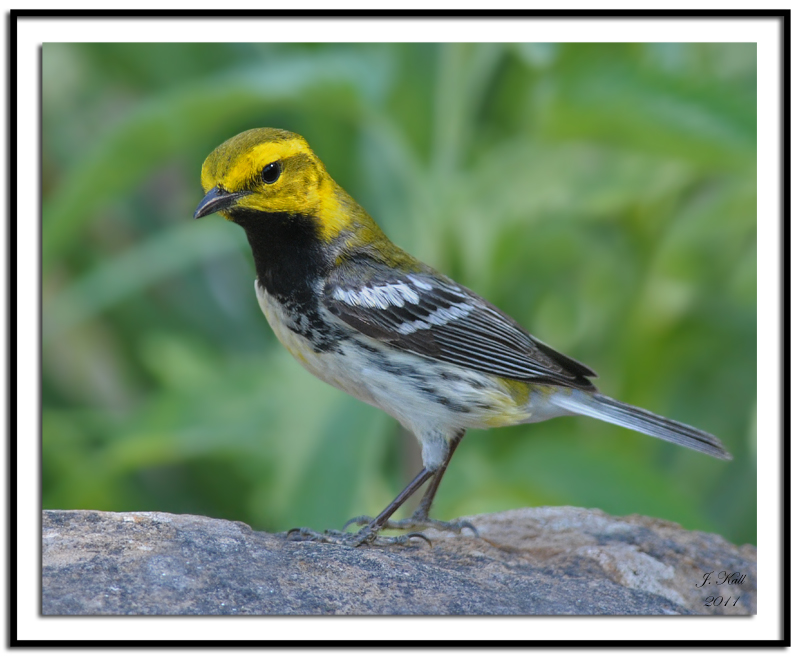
{"x": 368, "y": 348}
{"x": 380, "y": 360}
{"x": 451, "y": 405}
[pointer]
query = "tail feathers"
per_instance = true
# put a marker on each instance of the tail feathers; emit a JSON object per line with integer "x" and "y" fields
{"x": 610, "y": 410}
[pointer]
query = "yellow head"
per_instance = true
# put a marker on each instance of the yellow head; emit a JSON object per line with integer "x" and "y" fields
{"x": 262, "y": 173}
{"x": 265, "y": 170}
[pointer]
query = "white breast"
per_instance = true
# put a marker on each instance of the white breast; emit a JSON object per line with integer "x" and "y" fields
{"x": 329, "y": 366}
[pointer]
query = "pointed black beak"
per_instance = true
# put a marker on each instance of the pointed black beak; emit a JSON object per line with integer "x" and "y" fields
{"x": 217, "y": 199}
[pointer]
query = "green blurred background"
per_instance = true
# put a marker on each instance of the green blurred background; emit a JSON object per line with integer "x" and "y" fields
{"x": 603, "y": 195}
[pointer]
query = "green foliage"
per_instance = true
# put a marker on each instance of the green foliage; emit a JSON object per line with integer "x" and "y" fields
{"x": 604, "y": 195}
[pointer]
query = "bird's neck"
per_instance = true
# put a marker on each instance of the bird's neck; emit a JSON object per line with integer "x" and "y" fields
{"x": 287, "y": 252}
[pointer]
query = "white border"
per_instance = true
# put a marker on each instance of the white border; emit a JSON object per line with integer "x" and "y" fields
{"x": 33, "y": 32}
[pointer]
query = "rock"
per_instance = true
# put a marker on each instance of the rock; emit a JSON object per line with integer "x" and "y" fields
{"x": 539, "y": 561}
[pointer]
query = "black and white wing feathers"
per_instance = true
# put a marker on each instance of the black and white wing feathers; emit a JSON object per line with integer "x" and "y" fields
{"x": 430, "y": 315}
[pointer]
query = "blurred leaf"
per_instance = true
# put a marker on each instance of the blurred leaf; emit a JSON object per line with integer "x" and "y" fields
{"x": 705, "y": 125}
{"x": 164, "y": 254}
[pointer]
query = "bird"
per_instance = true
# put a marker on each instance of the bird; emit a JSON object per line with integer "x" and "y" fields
{"x": 363, "y": 315}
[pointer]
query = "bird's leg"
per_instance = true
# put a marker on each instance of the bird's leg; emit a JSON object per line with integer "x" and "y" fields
{"x": 424, "y": 507}
{"x": 420, "y": 518}
{"x": 369, "y": 534}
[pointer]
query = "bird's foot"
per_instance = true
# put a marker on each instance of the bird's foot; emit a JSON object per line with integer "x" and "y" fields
{"x": 366, "y": 536}
{"x": 417, "y": 522}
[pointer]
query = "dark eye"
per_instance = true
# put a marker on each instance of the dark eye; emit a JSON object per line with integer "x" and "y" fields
{"x": 271, "y": 172}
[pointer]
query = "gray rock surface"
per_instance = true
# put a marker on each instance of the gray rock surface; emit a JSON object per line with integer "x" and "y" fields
{"x": 539, "y": 561}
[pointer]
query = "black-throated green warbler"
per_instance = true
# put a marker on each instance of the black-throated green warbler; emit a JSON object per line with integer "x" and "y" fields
{"x": 361, "y": 314}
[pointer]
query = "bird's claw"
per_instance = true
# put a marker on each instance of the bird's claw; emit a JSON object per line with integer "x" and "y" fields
{"x": 418, "y": 522}
{"x": 365, "y": 536}
{"x": 358, "y": 520}
{"x": 332, "y": 536}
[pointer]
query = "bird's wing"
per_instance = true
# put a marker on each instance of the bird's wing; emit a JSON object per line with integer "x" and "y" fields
{"x": 430, "y": 315}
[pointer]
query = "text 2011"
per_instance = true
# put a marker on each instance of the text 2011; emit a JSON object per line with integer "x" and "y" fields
{"x": 711, "y": 601}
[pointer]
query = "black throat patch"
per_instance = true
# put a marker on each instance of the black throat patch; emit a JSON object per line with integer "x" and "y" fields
{"x": 289, "y": 261}
{"x": 286, "y": 250}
